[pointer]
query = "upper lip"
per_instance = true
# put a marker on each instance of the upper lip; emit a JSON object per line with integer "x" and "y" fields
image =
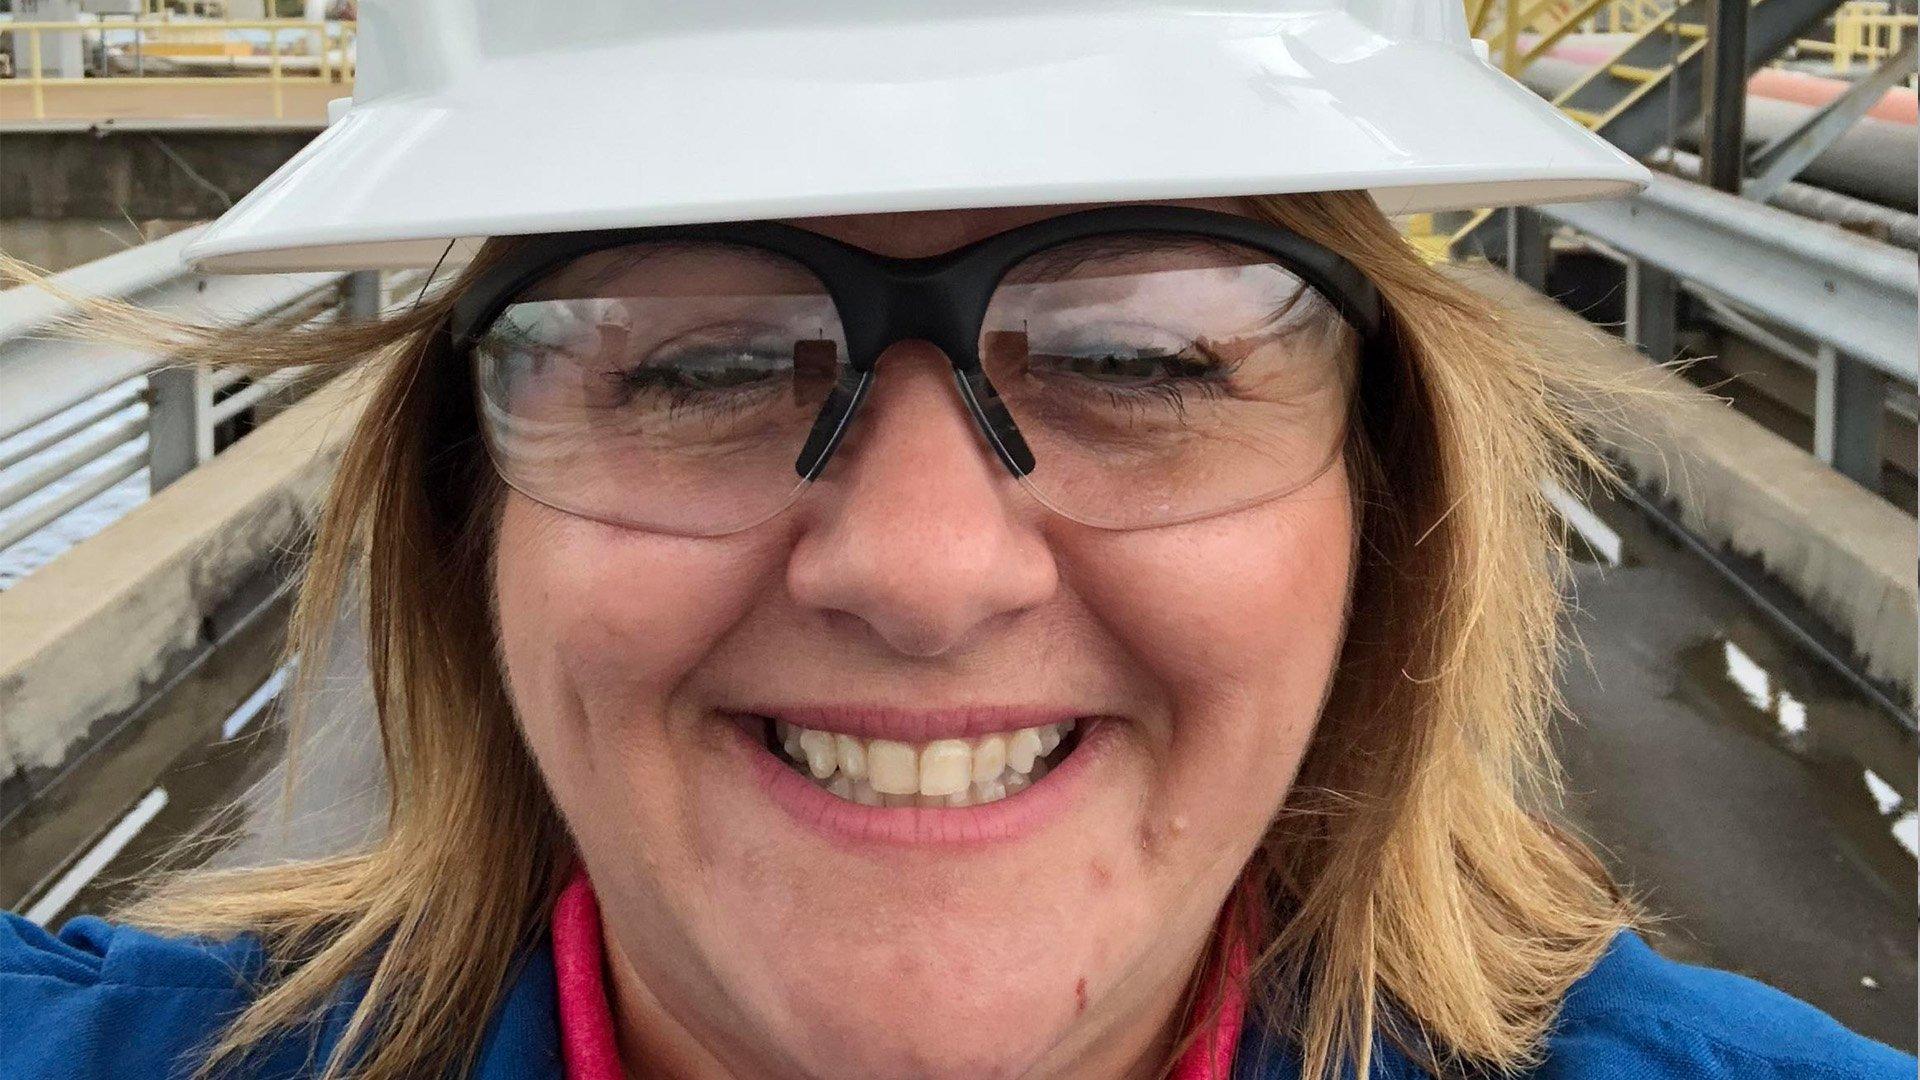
{"x": 915, "y": 725}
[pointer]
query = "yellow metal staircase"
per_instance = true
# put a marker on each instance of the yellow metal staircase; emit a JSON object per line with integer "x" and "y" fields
{"x": 1652, "y": 86}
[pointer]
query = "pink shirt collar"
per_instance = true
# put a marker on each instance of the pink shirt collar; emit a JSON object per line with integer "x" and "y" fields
{"x": 586, "y": 1017}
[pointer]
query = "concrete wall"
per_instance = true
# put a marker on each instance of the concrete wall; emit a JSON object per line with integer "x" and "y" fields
{"x": 1844, "y": 551}
{"x": 64, "y": 243}
{"x": 122, "y": 171}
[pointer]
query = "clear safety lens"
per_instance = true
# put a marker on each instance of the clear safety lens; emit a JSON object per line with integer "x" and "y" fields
{"x": 665, "y": 385}
{"x": 1159, "y": 378}
{"x": 1155, "y": 378}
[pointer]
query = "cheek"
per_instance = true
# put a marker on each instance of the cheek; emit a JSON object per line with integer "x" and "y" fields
{"x": 1233, "y": 609}
{"x": 599, "y": 627}
{"x": 1235, "y": 597}
{"x": 1239, "y": 621}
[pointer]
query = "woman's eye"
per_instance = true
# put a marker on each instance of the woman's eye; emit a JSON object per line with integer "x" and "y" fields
{"x": 715, "y": 370}
{"x": 1115, "y": 356}
{"x": 1126, "y": 366}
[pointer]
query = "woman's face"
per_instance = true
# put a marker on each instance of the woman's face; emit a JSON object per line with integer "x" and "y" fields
{"x": 760, "y": 926}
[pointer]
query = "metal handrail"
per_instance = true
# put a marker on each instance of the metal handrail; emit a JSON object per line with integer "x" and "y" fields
{"x": 116, "y": 276}
{"x": 1853, "y": 293}
{"x": 70, "y": 425}
{"x": 87, "y": 391}
{"x": 73, "y": 459}
{"x": 1864, "y": 30}
{"x": 105, "y": 406}
{"x": 57, "y": 508}
{"x": 1626, "y": 16}
{"x": 1548, "y": 21}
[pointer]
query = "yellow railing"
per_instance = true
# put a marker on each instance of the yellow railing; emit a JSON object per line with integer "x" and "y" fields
{"x": 1502, "y": 22}
{"x": 1627, "y": 16}
{"x": 1865, "y": 30}
{"x": 1431, "y": 244}
{"x": 332, "y": 58}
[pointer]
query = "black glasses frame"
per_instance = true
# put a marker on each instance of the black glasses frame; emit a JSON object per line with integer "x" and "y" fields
{"x": 941, "y": 299}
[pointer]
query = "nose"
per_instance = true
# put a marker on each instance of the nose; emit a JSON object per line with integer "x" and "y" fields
{"x": 915, "y": 530}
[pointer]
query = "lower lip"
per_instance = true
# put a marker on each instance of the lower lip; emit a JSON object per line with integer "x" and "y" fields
{"x": 1004, "y": 820}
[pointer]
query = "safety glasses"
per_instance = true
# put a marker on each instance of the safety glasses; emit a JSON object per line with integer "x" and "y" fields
{"x": 1130, "y": 366}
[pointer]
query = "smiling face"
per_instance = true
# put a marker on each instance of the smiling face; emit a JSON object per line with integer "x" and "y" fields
{"x": 917, "y": 614}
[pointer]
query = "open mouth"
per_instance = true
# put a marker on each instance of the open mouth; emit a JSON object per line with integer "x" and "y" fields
{"x": 938, "y": 773}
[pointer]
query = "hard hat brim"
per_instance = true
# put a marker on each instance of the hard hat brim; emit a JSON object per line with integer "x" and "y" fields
{"x": 787, "y": 123}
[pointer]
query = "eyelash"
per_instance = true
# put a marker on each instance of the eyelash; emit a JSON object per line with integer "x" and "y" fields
{"x": 665, "y": 382}
{"x": 1172, "y": 396}
{"x": 1212, "y": 374}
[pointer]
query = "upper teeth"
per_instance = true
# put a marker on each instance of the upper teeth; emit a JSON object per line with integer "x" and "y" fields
{"x": 944, "y": 772}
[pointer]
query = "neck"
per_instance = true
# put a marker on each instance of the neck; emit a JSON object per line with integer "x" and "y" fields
{"x": 653, "y": 1044}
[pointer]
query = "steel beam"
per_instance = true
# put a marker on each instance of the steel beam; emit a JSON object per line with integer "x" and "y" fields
{"x": 1783, "y": 159}
{"x": 1856, "y": 294}
{"x": 1724, "y": 88}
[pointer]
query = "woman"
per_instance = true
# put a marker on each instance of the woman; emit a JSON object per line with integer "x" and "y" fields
{"x": 834, "y": 620}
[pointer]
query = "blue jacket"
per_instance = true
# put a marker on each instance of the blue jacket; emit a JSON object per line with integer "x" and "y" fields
{"x": 106, "y": 1001}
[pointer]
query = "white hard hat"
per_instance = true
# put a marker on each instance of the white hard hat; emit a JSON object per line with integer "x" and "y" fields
{"x": 474, "y": 118}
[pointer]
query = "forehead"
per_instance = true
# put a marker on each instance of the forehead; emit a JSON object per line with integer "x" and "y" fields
{"x": 912, "y": 234}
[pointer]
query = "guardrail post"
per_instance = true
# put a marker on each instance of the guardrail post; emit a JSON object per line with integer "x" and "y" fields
{"x": 179, "y": 430}
{"x": 1849, "y": 411}
{"x": 35, "y": 76}
{"x": 360, "y": 295}
{"x": 279, "y": 95}
{"x": 1653, "y": 310}
{"x": 1527, "y": 251}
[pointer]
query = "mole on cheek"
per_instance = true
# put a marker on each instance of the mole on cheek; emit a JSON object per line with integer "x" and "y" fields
{"x": 1154, "y": 835}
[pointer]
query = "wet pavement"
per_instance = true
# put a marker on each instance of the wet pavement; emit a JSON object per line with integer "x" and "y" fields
{"x": 1759, "y": 803}
{"x": 1744, "y": 790}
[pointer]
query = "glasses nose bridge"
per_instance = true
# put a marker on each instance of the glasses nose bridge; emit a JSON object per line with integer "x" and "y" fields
{"x": 926, "y": 301}
{"x": 939, "y": 303}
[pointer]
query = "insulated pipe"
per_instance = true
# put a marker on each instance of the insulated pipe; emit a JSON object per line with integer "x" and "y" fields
{"x": 1885, "y": 223}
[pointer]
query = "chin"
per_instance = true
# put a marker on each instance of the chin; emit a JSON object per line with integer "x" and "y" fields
{"x": 927, "y": 1024}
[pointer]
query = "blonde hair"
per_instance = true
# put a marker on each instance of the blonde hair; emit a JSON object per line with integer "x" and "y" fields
{"x": 1411, "y": 889}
